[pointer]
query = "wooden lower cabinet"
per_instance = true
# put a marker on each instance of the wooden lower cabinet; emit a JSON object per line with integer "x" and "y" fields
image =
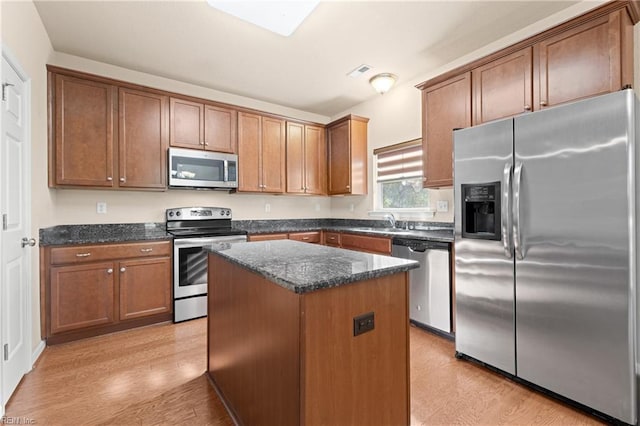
{"x": 306, "y": 237}
{"x": 96, "y": 289}
{"x": 143, "y": 289}
{"x": 82, "y": 296}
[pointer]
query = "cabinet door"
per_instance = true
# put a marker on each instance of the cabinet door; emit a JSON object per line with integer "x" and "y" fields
{"x": 249, "y": 148}
{"x": 145, "y": 287}
{"x": 295, "y": 158}
{"x": 143, "y": 136}
{"x": 315, "y": 160}
{"x": 503, "y": 88}
{"x": 186, "y": 124}
{"x": 340, "y": 158}
{"x": 82, "y": 296}
{"x": 445, "y": 106}
{"x": 273, "y": 155}
{"x": 579, "y": 63}
{"x": 220, "y": 129}
{"x": 84, "y": 132}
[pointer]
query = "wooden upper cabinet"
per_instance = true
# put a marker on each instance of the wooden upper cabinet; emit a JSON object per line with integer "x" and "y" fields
{"x": 584, "y": 61}
{"x": 84, "y": 132}
{"x": 261, "y": 153}
{"x": 306, "y": 159}
{"x": 503, "y": 88}
{"x": 143, "y": 139}
{"x": 445, "y": 107}
{"x": 273, "y": 154}
{"x": 347, "y": 157}
{"x": 187, "y": 127}
{"x": 220, "y": 129}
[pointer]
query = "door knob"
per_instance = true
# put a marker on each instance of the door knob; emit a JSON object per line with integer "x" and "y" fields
{"x": 28, "y": 242}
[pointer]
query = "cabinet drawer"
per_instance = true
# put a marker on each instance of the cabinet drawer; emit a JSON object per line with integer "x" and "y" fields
{"x": 92, "y": 253}
{"x": 378, "y": 245}
{"x": 332, "y": 239}
{"x": 307, "y": 237}
{"x": 267, "y": 237}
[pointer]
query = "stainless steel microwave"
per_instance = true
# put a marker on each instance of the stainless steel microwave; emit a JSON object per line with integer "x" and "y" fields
{"x": 190, "y": 168}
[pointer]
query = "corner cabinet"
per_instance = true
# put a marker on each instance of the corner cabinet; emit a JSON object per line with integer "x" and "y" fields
{"x": 347, "y": 156}
{"x": 96, "y": 289}
{"x": 445, "y": 106}
{"x": 261, "y": 153}
{"x": 306, "y": 159}
{"x": 105, "y": 136}
{"x": 587, "y": 56}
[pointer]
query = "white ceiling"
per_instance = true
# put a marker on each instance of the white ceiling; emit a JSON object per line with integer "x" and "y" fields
{"x": 192, "y": 42}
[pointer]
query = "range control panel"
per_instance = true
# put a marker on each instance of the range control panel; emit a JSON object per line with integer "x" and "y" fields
{"x": 198, "y": 213}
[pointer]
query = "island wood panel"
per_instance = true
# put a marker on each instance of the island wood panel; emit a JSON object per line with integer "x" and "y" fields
{"x": 254, "y": 345}
{"x": 356, "y": 380}
{"x": 143, "y": 139}
{"x": 84, "y": 132}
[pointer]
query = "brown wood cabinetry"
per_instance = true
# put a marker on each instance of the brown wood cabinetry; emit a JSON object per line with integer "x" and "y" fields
{"x": 586, "y": 56}
{"x": 502, "y": 88}
{"x": 331, "y": 239}
{"x": 347, "y": 160}
{"x": 96, "y": 289}
{"x": 267, "y": 237}
{"x": 261, "y": 153}
{"x": 359, "y": 242}
{"x": 307, "y": 237}
{"x": 445, "y": 106}
{"x": 95, "y": 123}
{"x": 198, "y": 125}
{"x": 306, "y": 159}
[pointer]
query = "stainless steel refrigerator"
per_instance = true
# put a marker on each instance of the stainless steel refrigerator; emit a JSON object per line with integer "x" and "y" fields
{"x": 545, "y": 249}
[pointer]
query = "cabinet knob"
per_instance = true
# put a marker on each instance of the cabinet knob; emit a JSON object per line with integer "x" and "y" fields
{"x": 348, "y": 187}
{"x": 109, "y": 178}
{"x": 109, "y": 271}
{"x": 122, "y": 179}
{"x": 543, "y": 103}
{"x": 201, "y": 143}
{"x": 527, "y": 107}
{"x": 206, "y": 144}
{"x": 123, "y": 269}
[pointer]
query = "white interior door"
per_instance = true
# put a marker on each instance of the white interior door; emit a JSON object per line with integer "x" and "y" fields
{"x": 14, "y": 205}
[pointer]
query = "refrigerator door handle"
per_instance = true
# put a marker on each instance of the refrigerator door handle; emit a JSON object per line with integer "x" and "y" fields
{"x": 517, "y": 236}
{"x": 506, "y": 211}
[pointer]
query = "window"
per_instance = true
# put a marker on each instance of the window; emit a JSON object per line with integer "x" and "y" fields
{"x": 399, "y": 177}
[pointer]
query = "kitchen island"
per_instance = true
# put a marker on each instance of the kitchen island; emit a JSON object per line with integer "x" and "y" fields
{"x": 306, "y": 334}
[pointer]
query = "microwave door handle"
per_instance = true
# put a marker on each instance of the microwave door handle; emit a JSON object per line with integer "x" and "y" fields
{"x": 225, "y": 172}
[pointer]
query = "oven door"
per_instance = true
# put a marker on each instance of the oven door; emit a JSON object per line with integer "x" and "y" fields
{"x": 190, "y": 264}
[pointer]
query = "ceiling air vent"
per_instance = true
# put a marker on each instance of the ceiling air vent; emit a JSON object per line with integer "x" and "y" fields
{"x": 359, "y": 71}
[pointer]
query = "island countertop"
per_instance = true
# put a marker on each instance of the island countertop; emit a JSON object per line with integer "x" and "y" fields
{"x": 303, "y": 267}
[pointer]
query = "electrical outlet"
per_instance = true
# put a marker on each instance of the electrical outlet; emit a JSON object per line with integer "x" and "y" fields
{"x": 363, "y": 323}
{"x": 101, "y": 207}
{"x": 352, "y": 207}
{"x": 443, "y": 206}
{"x": 317, "y": 207}
{"x": 267, "y": 207}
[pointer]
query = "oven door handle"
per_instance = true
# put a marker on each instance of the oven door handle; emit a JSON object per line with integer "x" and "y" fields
{"x": 198, "y": 242}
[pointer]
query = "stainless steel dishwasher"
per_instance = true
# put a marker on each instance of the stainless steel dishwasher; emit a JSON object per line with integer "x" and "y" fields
{"x": 430, "y": 284}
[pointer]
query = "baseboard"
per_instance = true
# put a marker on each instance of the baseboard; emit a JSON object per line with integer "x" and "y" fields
{"x": 36, "y": 353}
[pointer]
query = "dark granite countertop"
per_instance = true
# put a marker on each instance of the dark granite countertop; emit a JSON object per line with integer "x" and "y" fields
{"x": 102, "y": 233}
{"x": 303, "y": 268}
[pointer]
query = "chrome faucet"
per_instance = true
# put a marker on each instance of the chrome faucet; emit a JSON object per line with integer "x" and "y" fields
{"x": 391, "y": 218}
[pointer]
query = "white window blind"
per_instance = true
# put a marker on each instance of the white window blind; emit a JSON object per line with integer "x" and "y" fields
{"x": 399, "y": 161}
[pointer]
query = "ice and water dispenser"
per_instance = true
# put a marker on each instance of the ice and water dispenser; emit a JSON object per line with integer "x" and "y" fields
{"x": 481, "y": 211}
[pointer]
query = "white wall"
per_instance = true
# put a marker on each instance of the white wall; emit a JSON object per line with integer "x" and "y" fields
{"x": 395, "y": 116}
{"x": 26, "y": 39}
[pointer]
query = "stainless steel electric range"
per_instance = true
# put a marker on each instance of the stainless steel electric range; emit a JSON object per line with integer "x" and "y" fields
{"x": 193, "y": 229}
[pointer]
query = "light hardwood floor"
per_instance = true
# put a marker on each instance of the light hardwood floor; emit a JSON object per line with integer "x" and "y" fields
{"x": 155, "y": 375}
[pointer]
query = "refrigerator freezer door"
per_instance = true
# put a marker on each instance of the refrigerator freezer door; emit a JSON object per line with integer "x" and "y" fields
{"x": 574, "y": 283}
{"x": 485, "y": 327}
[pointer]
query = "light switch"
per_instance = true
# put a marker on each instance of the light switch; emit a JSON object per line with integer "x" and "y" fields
{"x": 101, "y": 207}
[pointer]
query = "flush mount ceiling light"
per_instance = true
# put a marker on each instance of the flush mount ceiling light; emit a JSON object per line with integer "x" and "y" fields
{"x": 383, "y": 82}
{"x": 281, "y": 17}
